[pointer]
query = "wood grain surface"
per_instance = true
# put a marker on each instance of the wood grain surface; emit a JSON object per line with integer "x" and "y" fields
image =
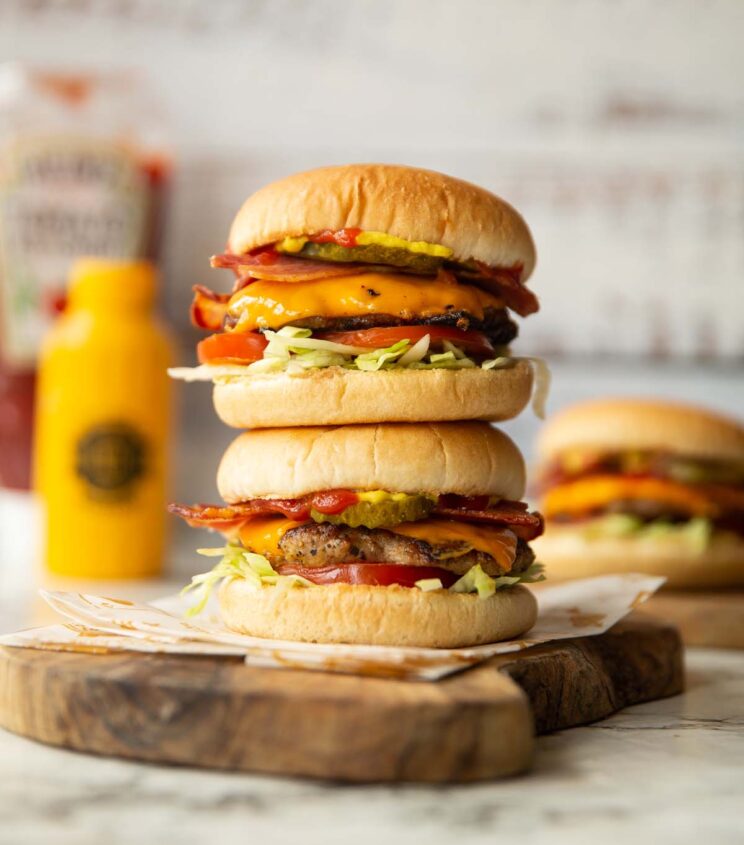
{"x": 220, "y": 713}
{"x": 709, "y": 618}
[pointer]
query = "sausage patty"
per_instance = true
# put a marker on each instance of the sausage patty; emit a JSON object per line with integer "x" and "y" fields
{"x": 325, "y": 545}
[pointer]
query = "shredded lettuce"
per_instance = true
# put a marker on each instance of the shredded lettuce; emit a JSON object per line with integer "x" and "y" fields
{"x": 475, "y": 580}
{"x": 695, "y": 532}
{"x": 416, "y": 353}
{"x": 426, "y": 585}
{"x": 377, "y": 358}
{"x": 237, "y": 562}
{"x": 294, "y": 350}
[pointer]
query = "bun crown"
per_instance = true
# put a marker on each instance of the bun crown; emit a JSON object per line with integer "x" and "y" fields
{"x": 619, "y": 424}
{"x": 468, "y": 458}
{"x": 406, "y": 202}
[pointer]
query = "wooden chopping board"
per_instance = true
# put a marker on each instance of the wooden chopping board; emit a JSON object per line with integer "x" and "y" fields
{"x": 220, "y": 713}
{"x": 710, "y": 618}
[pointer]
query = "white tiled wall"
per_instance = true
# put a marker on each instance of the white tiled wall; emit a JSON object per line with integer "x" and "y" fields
{"x": 616, "y": 126}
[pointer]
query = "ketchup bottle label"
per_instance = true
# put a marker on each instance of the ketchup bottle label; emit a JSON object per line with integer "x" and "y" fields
{"x": 61, "y": 197}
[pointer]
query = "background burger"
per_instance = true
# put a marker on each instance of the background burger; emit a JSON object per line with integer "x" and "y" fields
{"x": 642, "y": 486}
{"x": 384, "y": 534}
{"x": 368, "y": 293}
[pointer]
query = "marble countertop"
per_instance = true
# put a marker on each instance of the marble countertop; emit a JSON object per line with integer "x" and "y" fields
{"x": 664, "y": 771}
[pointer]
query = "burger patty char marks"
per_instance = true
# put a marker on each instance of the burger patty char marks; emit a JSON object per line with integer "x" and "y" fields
{"x": 496, "y": 324}
{"x": 326, "y": 544}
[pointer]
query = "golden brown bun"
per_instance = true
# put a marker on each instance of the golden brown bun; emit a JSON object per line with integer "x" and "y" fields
{"x": 617, "y": 424}
{"x": 568, "y": 553}
{"x": 395, "y": 616}
{"x": 417, "y": 205}
{"x": 336, "y": 396}
{"x": 469, "y": 458}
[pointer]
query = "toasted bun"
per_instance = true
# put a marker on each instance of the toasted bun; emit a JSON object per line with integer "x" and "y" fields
{"x": 466, "y": 458}
{"x": 396, "y": 616}
{"x": 616, "y": 424}
{"x": 567, "y": 553}
{"x": 417, "y": 205}
{"x": 333, "y": 395}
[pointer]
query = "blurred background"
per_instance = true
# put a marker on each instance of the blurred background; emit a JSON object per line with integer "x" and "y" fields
{"x": 616, "y": 128}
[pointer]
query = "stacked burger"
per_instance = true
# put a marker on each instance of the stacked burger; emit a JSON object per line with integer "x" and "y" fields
{"x": 364, "y": 350}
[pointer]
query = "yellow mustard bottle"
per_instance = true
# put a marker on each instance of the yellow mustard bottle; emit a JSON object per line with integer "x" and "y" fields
{"x": 102, "y": 431}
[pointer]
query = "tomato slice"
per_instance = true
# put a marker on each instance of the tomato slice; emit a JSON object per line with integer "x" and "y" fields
{"x": 370, "y": 574}
{"x": 231, "y": 348}
{"x": 472, "y": 342}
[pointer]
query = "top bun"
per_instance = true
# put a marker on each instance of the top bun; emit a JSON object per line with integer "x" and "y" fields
{"x": 469, "y": 458}
{"x": 619, "y": 424}
{"x": 408, "y": 203}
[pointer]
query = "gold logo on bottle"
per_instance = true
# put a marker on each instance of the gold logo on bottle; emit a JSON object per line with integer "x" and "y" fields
{"x": 111, "y": 458}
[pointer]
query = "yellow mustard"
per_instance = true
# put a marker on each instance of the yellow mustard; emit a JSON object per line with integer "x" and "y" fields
{"x": 103, "y": 416}
{"x": 365, "y": 238}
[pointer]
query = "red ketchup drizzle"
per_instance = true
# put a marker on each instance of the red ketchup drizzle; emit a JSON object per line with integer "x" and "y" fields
{"x": 341, "y": 237}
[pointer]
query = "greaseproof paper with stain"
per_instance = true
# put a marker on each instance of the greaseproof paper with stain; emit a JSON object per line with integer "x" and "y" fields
{"x": 98, "y": 625}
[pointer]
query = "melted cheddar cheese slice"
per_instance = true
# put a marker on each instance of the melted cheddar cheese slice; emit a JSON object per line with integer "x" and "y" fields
{"x": 263, "y": 535}
{"x": 595, "y": 492}
{"x": 500, "y": 543}
{"x": 271, "y": 305}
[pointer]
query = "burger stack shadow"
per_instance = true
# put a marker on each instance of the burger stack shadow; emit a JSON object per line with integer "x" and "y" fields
{"x": 364, "y": 351}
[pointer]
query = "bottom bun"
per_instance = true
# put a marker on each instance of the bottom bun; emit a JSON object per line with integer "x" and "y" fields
{"x": 567, "y": 553}
{"x": 396, "y": 616}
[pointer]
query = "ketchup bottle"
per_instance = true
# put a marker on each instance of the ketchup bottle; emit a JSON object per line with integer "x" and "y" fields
{"x": 82, "y": 172}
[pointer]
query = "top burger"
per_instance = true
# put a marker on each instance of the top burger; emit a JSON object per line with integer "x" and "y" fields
{"x": 368, "y": 293}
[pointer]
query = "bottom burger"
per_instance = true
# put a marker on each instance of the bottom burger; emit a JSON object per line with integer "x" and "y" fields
{"x": 397, "y": 534}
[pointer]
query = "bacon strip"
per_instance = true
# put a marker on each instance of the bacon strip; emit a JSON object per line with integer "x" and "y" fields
{"x": 506, "y": 284}
{"x": 227, "y": 517}
{"x": 526, "y": 525}
{"x": 209, "y": 309}
{"x": 277, "y": 267}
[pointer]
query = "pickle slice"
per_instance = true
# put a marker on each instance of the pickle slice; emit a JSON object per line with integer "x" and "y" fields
{"x": 380, "y": 510}
{"x": 374, "y": 254}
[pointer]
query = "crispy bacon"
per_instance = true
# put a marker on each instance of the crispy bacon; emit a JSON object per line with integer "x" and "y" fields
{"x": 504, "y": 282}
{"x": 526, "y": 525}
{"x": 515, "y": 515}
{"x": 276, "y": 267}
{"x": 227, "y": 517}
{"x": 209, "y": 309}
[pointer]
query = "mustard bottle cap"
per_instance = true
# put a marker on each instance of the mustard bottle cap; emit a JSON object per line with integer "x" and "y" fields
{"x": 102, "y": 282}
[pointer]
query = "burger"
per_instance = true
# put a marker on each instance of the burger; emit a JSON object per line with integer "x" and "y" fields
{"x": 389, "y": 534}
{"x": 642, "y": 486}
{"x": 369, "y": 293}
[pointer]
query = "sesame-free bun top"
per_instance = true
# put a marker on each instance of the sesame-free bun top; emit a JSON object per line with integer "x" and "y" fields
{"x": 469, "y": 458}
{"x": 406, "y": 202}
{"x": 619, "y": 424}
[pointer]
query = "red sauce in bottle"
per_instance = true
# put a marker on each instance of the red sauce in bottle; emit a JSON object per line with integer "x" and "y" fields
{"x": 77, "y": 180}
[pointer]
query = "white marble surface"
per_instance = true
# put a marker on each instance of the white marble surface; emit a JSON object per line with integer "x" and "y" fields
{"x": 667, "y": 771}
